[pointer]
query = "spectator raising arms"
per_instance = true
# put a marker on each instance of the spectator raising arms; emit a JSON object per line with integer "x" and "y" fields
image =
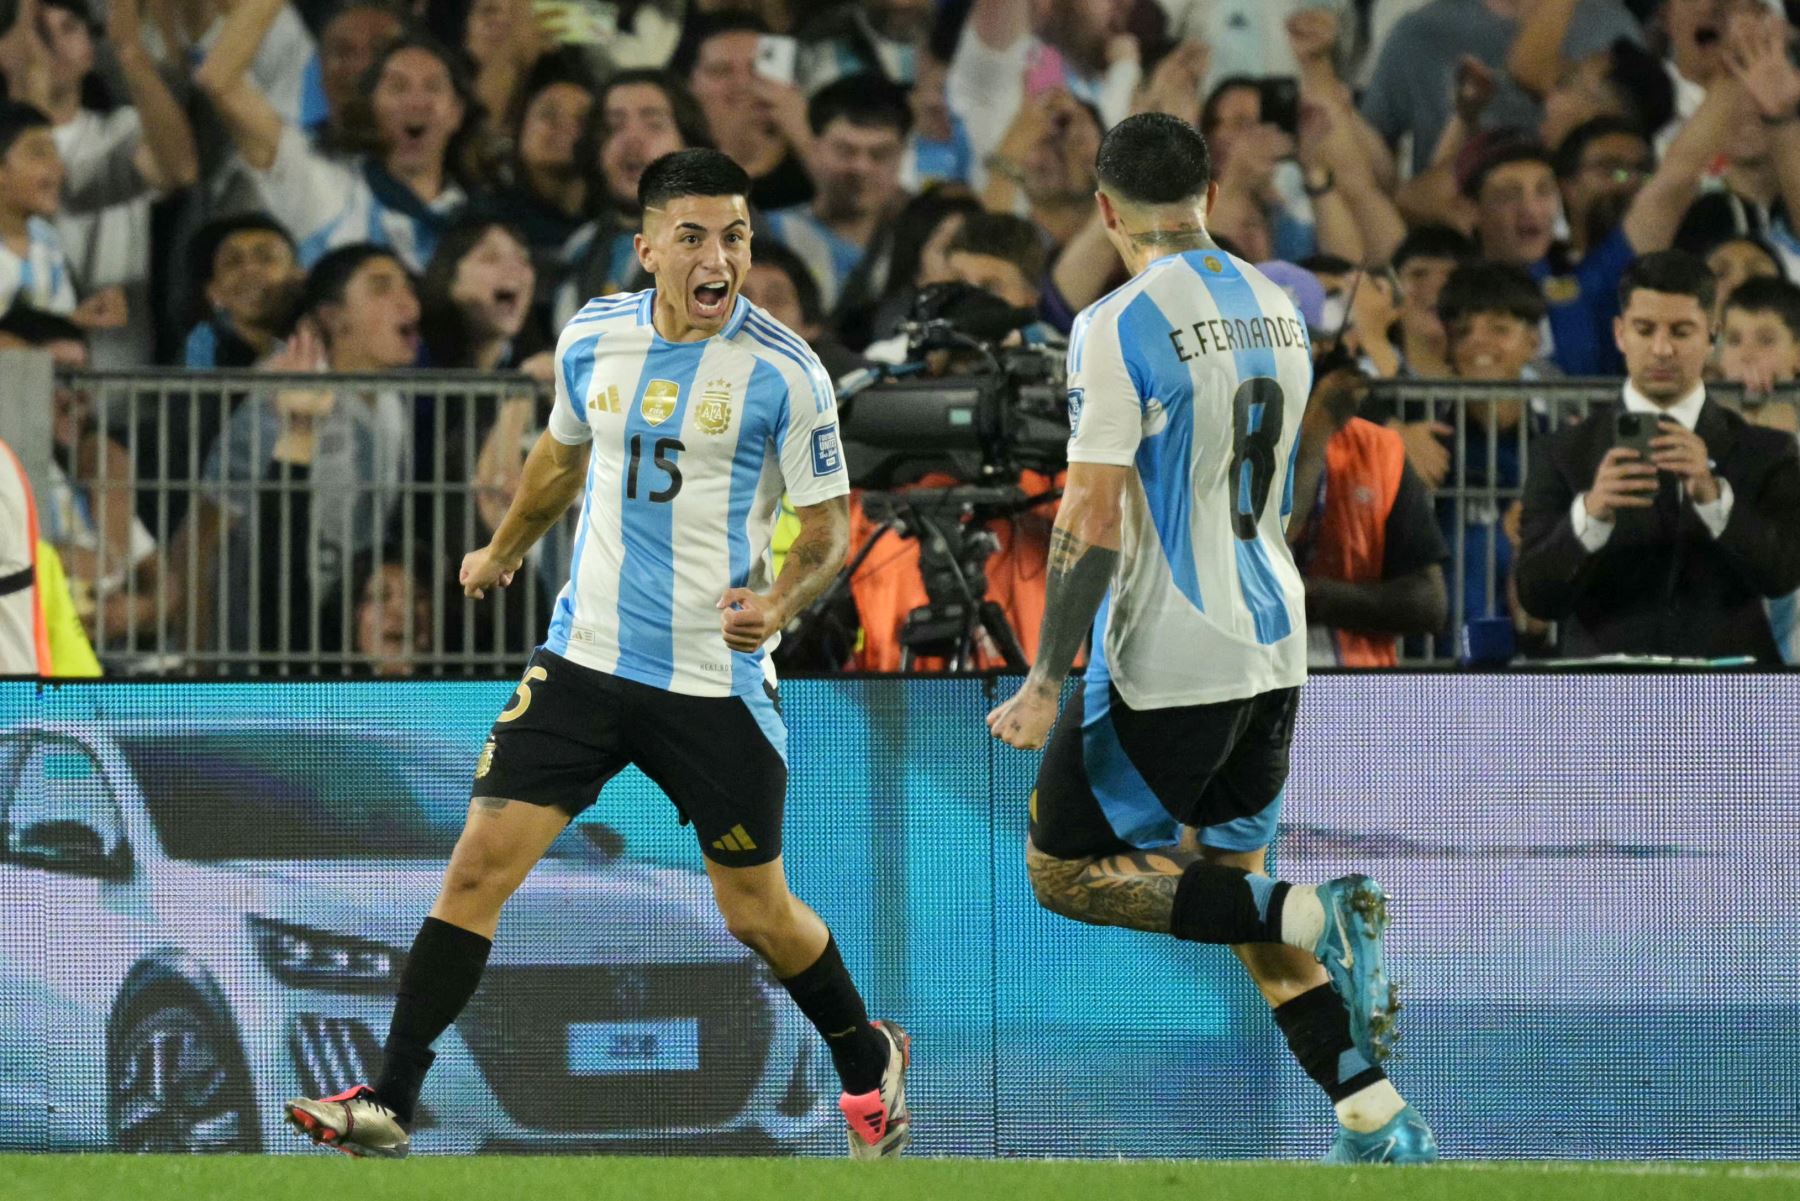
{"x": 411, "y": 119}
{"x": 116, "y": 163}
{"x": 1412, "y": 89}
{"x": 1012, "y": 52}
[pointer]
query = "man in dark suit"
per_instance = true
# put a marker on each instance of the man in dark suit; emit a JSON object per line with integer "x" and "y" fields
{"x": 1669, "y": 553}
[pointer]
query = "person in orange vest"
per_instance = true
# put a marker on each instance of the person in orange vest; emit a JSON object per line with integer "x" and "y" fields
{"x": 1363, "y": 531}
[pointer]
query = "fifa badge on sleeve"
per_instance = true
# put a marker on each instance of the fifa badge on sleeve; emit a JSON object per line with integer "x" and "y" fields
{"x": 827, "y": 458}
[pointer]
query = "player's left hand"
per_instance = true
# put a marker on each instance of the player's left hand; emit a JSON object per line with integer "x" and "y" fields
{"x": 748, "y": 619}
{"x": 1680, "y": 450}
{"x": 1025, "y": 720}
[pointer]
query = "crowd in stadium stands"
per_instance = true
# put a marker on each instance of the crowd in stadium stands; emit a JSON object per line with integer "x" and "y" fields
{"x": 1448, "y": 189}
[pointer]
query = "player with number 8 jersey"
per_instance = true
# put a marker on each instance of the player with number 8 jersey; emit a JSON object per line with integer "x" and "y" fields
{"x": 1159, "y": 793}
{"x": 682, "y": 414}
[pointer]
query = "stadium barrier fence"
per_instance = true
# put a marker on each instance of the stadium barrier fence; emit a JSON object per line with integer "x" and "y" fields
{"x": 247, "y": 547}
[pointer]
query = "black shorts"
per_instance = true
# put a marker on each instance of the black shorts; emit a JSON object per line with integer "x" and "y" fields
{"x": 1117, "y": 779}
{"x": 569, "y": 729}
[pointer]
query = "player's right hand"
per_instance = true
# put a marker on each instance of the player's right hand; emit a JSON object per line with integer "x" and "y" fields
{"x": 1624, "y": 481}
{"x": 482, "y": 569}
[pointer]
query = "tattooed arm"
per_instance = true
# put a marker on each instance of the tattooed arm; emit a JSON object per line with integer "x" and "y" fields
{"x": 1084, "y": 550}
{"x": 749, "y": 619}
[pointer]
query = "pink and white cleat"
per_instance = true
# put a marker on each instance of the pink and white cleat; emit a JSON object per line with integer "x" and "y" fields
{"x": 353, "y": 1122}
{"x": 880, "y": 1123}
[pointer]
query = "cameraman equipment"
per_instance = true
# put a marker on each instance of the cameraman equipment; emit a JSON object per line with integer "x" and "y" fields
{"x": 986, "y": 413}
{"x": 999, "y": 410}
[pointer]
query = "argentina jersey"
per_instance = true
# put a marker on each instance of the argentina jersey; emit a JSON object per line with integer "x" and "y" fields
{"x": 1196, "y": 374}
{"x": 39, "y": 277}
{"x": 693, "y": 445}
{"x": 328, "y": 202}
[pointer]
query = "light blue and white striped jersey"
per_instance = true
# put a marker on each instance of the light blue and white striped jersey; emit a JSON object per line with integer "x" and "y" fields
{"x": 328, "y": 202}
{"x": 830, "y": 258}
{"x": 1196, "y": 373}
{"x": 693, "y": 445}
{"x": 40, "y": 277}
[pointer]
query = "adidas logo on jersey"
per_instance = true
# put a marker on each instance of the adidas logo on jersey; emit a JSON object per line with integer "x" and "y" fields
{"x": 738, "y": 839}
{"x": 607, "y": 400}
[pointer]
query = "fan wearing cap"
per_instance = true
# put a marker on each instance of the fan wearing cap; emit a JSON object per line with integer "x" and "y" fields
{"x": 1514, "y": 184}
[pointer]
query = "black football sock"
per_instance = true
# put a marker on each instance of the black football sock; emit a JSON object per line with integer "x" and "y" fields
{"x": 1317, "y": 1027}
{"x": 439, "y": 978}
{"x": 829, "y": 1000}
{"x": 1225, "y": 905}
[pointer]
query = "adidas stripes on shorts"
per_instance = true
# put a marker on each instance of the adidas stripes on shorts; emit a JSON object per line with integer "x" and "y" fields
{"x": 568, "y": 729}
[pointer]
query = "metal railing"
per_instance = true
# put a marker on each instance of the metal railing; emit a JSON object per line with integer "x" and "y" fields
{"x": 254, "y": 524}
{"x": 251, "y": 524}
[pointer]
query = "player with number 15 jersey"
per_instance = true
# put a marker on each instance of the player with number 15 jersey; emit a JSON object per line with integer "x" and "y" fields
{"x": 682, "y": 414}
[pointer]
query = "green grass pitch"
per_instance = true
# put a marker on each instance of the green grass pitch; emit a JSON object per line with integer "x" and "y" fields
{"x": 493, "y": 1178}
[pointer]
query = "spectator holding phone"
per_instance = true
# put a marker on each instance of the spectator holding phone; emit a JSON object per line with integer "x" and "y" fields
{"x": 1659, "y": 527}
{"x": 744, "y": 80}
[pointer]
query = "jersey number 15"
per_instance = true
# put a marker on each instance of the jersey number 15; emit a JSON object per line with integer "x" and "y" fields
{"x": 662, "y": 454}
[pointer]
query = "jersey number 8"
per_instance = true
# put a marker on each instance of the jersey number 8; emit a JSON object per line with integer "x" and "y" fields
{"x": 663, "y": 455}
{"x": 1255, "y": 434}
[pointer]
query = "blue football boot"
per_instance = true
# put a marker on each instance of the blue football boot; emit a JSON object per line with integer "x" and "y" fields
{"x": 1405, "y": 1139}
{"x": 1350, "y": 948}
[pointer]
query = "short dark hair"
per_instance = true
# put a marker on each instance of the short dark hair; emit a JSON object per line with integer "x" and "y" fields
{"x": 767, "y": 252}
{"x": 1767, "y": 294}
{"x": 209, "y": 239}
{"x": 1433, "y": 242}
{"x": 868, "y": 100}
{"x": 1209, "y": 112}
{"x": 1475, "y": 288}
{"x": 1014, "y": 239}
{"x": 1153, "y": 158}
{"x": 330, "y": 277}
{"x": 1567, "y": 159}
{"x": 16, "y": 118}
{"x": 35, "y": 327}
{"x": 203, "y": 252}
{"x": 695, "y": 172}
{"x": 1673, "y": 272}
{"x": 1493, "y": 150}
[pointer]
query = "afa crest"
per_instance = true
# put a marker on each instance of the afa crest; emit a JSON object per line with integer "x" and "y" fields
{"x": 1562, "y": 289}
{"x": 485, "y": 763}
{"x": 714, "y": 414}
{"x": 660, "y": 398}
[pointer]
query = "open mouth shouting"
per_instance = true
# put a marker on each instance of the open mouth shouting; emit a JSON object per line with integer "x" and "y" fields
{"x": 710, "y": 300}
